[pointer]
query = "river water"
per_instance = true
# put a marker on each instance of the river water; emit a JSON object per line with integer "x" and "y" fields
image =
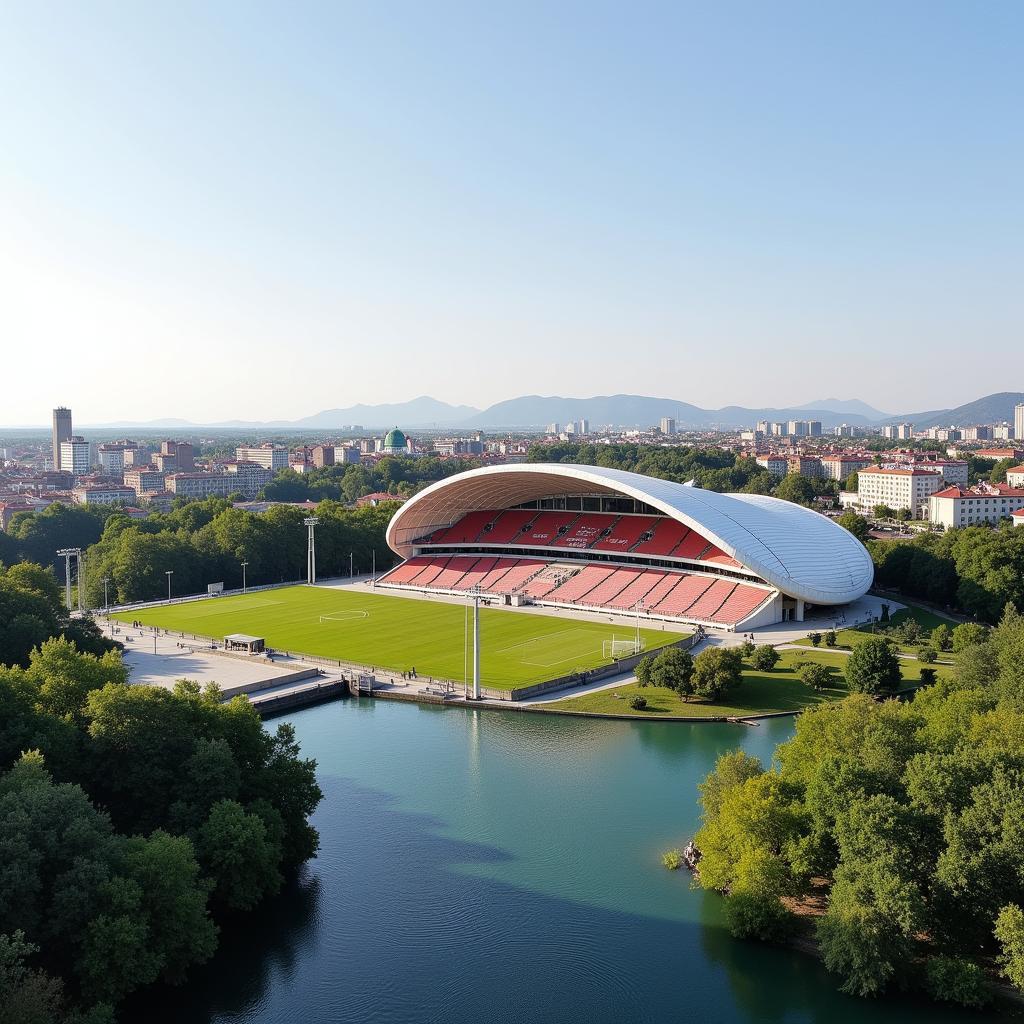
{"x": 486, "y": 866}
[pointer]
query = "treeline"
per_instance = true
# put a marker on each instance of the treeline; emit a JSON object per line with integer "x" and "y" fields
{"x": 32, "y": 610}
{"x": 903, "y": 819}
{"x": 131, "y": 818}
{"x": 711, "y": 468}
{"x": 347, "y": 482}
{"x": 206, "y": 542}
{"x": 976, "y": 569}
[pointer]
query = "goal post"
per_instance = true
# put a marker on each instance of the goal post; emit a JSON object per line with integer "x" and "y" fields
{"x": 621, "y": 647}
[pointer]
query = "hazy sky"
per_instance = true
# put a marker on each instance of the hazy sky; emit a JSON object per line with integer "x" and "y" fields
{"x": 219, "y": 210}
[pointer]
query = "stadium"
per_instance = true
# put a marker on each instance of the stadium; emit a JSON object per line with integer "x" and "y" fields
{"x": 606, "y": 540}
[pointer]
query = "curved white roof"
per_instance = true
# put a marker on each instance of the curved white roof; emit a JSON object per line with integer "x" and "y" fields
{"x": 799, "y": 551}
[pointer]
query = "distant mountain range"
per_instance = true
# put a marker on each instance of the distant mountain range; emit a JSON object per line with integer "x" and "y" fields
{"x": 534, "y": 412}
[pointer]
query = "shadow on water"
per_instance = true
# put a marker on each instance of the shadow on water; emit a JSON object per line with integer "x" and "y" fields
{"x": 388, "y": 926}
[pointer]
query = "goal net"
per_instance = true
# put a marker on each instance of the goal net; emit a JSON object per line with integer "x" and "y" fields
{"x": 621, "y": 647}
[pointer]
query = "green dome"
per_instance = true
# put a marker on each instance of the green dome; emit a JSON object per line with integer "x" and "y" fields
{"x": 395, "y": 439}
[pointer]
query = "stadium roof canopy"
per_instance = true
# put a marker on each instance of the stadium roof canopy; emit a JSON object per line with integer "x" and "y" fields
{"x": 799, "y": 551}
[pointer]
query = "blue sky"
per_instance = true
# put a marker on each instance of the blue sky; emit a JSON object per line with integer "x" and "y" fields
{"x": 219, "y": 210}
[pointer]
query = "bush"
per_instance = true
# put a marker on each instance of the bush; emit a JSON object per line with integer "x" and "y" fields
{"x": 815, "y": 675}
{"x": 928, "y": 676}
{"x": 748, "y": 647}
{"x": 673, "y": 859}
{"x": 954, "y": 979}
{"x": 942, "y": 638}
{"x": 873, "y": 667}
{"x": 638, "y": 703}
{"x": 927, "y": 654}
{"x": 765, "y": 658}
{"x": 830, "y": 638}
{"x": 815, "y": 639}
{"x": 967, "y": 634}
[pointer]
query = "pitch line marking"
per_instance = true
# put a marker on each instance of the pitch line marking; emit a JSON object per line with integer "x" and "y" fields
{"x": 537, "y": 639}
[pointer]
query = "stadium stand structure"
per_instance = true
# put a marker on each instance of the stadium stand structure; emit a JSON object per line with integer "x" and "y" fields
{"x": 607, "y": 540}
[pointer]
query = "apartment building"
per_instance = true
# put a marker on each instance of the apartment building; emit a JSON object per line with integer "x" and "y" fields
{"x": 899, "y": 488}
{"x": 103, "y": 494}
{"x": 270, "y": 456}
{"x": 971, "y": 506}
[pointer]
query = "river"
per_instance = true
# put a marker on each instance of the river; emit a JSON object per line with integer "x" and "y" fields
{"x": 485, "y": 866}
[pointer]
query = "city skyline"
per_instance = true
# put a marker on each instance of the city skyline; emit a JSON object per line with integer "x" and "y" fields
{"x": 308, "y": 212}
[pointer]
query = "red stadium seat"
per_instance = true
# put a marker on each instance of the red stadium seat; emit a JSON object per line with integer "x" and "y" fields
{"x": 585, "y": 531}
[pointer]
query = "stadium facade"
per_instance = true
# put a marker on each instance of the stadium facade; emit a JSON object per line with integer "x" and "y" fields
{"x": 608, "y": 540}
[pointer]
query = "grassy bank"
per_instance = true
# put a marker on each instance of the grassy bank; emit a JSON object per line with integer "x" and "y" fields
{"x": 760, "y": 692}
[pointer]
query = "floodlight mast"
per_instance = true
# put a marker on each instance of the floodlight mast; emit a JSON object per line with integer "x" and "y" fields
{"x": 475, "y": 591}
{"x": 310, "y": 522}
{"x": 68, "y": 554}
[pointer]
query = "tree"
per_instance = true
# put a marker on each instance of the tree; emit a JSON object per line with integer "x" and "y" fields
{"x": 27, "y": 995}
{"x": 796, "y": 488}
{"x": 884, "y": 512}
{"x": 643, "y": 670}
{"x": 815, "y": 639}
{"x": 955, "y": 979}
{"x": 237, "y": 852}
{"x": 731, "y": 769}
{"x": 831, "y": 638}
{"x": 927, "y": 654}
{"x": 815, "y": 675}
{"x": 967, "y": 634}
{"x": 716, "y": 671}
{"x": 638, "y": 703}
{"x": 942, "y": 638}
{"x": 673, "y": 669}
{"x": 765, "y": 658}
{"x": 873, "y": 667}
{"x": 855, "y": 524}
{"x": 1009, "y": 932}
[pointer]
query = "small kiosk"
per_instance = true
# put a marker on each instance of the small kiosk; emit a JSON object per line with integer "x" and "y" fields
{"x": 245, "y": 643}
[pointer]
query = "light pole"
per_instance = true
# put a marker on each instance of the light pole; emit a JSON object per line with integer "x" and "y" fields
{"x": 351, "y": 574}
{"x": 639, "y": 608}
{"x": 310, "y": 522}
{"x": 476, "y": 641}
{"x": 169, "y": 573}
{"x": 244, "y": 564}
{"x": 106, "y": 603}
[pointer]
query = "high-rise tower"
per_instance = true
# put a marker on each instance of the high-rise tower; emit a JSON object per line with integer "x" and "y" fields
{"x": 61, "y": 432}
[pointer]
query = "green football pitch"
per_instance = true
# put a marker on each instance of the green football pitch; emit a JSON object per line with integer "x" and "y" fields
{"x": 399, "y": 633}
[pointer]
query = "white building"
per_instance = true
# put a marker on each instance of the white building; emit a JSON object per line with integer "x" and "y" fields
{"x": 777, "y": 465}
{"x": 898, "y": 431}
{"x": 668, "y": 425}
{"x": 1018, "y": 421}
{"x": 202, "y": 485}
{"x": 839, "y": 467}
{"x": 1015, "y": 476}
{"x": 899, "y": 488}
{"x": 969, "y": 506}
{"x": 74, "y": 456}
{"x": 250, "y": 477}
{"x": 99, "y": 494}
{"x": 271, "y": 456}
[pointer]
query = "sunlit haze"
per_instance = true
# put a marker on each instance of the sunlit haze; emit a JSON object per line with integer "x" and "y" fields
{"x": 261, "y": 211}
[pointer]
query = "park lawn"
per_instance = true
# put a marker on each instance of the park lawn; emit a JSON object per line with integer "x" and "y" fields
{"x": 760, "y": 692}
{"x": 852, "y": 635}
{"x": 399, "y": 633}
